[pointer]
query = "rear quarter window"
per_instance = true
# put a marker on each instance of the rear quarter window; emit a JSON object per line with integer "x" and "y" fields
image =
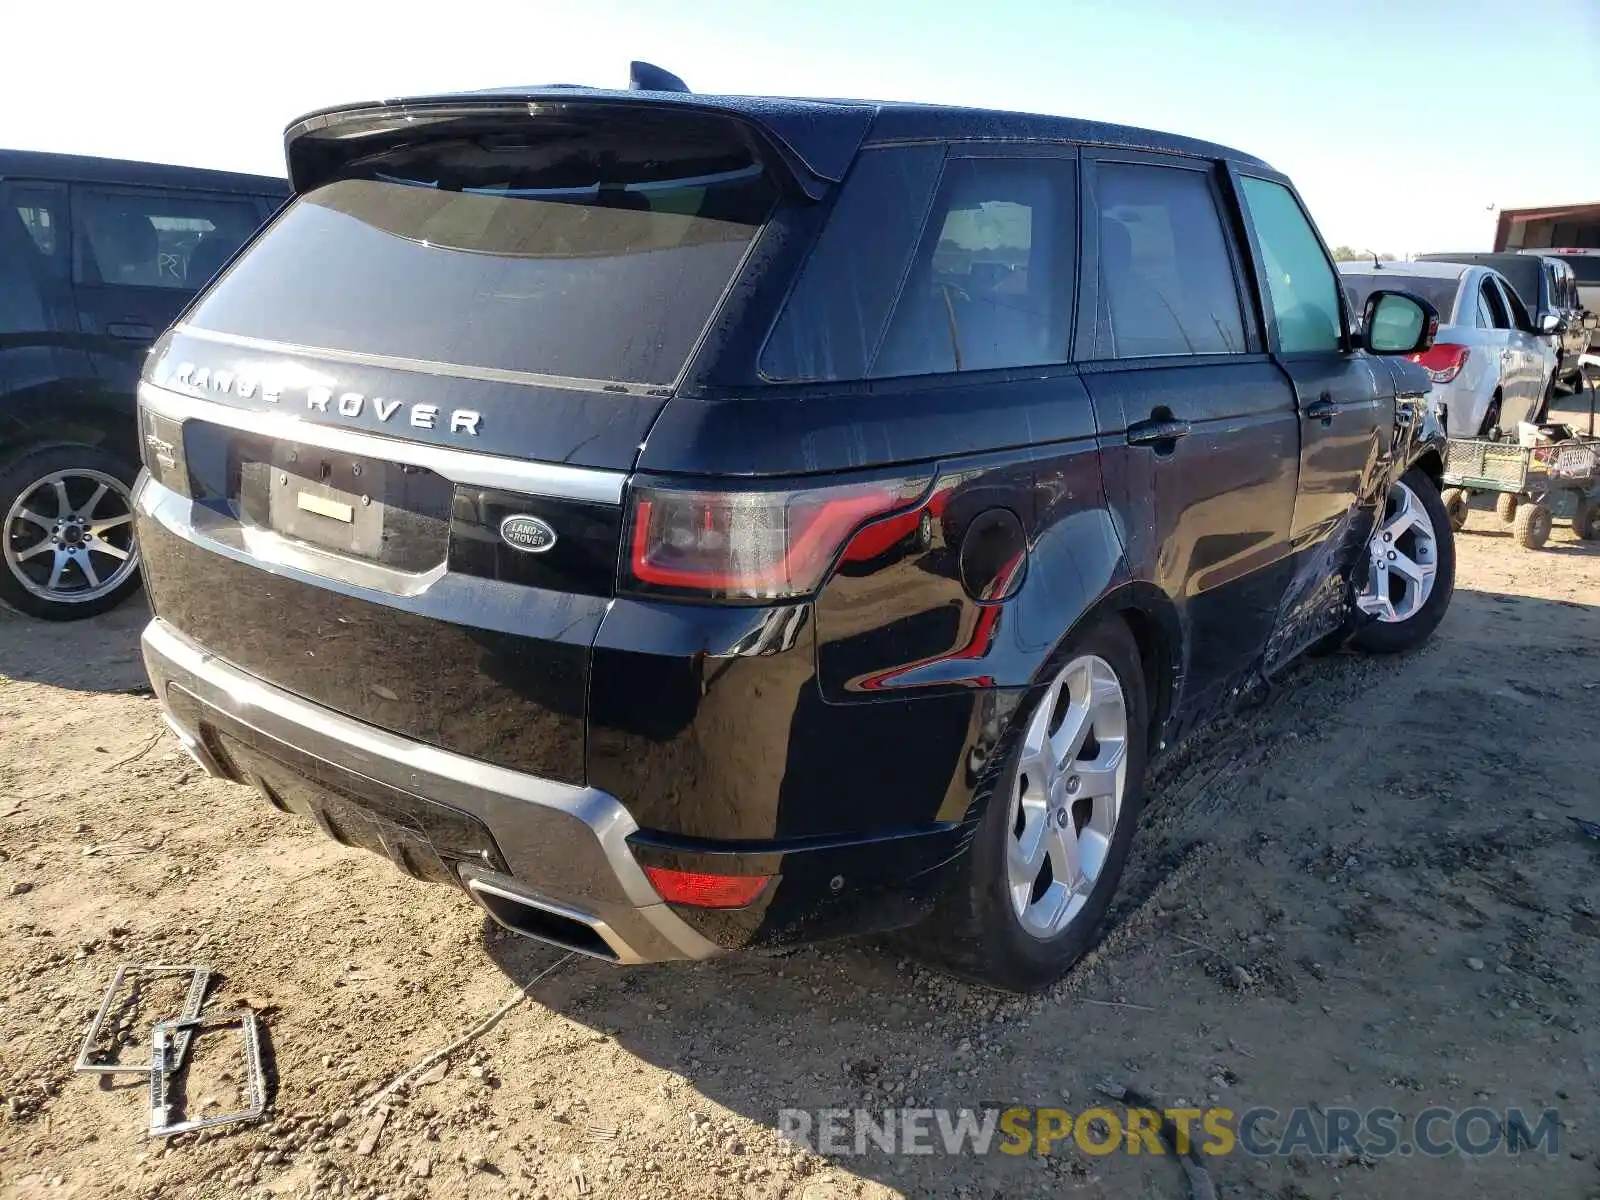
{"x": 922, "y": 270}
{"x": 840, "y": 303}
{"x": 992, "y": 282}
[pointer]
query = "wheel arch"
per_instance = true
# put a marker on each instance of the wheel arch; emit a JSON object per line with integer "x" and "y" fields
{"x": 1152, "y": 620}
{"x": 63, "y": 412}
{"x": 1431, "y": 463}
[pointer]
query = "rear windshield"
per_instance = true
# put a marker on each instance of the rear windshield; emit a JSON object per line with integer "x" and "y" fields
{"x": 1441, "y": 293}
{"x": 591, "y": 253}
{"x": 1585, "y": 266}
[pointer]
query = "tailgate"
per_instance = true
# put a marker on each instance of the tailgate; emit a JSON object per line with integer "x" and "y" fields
{"x": 387, "y": 447}
{"x": 371, "y": 575}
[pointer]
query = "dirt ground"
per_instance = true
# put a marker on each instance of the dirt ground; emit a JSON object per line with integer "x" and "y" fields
{"x": 1365, "y": 892}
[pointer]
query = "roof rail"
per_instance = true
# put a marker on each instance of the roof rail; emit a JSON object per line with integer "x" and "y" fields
{"x": 647, "y": 77}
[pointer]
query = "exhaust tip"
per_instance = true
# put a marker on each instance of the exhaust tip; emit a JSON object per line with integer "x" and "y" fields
{"x": 547, "y": 922}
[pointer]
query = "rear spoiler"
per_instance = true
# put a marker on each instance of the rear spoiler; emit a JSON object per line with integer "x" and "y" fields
{"x": 815, "y": 141}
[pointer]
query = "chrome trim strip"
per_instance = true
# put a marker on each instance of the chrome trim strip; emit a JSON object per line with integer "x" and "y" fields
{"x": 412, "y": 765}
{"x": 458, "y": 466}
{"x": 419, "y": 366}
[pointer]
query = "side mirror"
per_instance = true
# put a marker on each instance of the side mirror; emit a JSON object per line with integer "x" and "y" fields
{"x": 1399, "y": 323}
{"x": 1551, "y": 323}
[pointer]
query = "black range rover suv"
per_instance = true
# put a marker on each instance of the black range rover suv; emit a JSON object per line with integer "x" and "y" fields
{"x": 691, "y": 523}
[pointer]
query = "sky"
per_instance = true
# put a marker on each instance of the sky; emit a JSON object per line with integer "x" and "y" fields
{"x": 1404, "y": 123}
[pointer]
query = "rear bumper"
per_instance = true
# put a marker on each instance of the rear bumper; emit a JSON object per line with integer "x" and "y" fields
{"x": 435, "y": 814}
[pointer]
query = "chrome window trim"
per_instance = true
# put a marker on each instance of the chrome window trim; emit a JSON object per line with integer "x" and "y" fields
{"x": 465, "y": 467}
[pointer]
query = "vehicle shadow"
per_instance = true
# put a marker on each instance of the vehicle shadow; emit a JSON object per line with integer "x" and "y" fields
{"x": 860, "y": 1025}
{"x": 100, "y": 654}
{"x": 847, "y": 1025}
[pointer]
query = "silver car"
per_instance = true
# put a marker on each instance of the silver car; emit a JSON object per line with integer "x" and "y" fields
{"x": 1490, "y": 367}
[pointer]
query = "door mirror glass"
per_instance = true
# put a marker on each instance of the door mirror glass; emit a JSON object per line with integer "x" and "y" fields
{"x": 1399, "y": 323}
{"x": 1551, "y": 323}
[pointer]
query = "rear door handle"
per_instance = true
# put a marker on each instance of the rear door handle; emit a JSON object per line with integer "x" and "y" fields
{"x": 1153, "y": 432}
{"x": 131, "y": 331}
{"x": 1324, "y": 410}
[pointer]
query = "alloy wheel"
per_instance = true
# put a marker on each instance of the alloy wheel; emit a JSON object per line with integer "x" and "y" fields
{"x": 1404, "y": 554}
{"x": 1067, "y": 796}
{"x": 68, "y": 536}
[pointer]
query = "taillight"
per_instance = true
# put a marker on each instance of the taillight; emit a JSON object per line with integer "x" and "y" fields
{"x": 749, "y": 545}
{"x": 1443, "y": 362}
{"x": 704, "y": 890}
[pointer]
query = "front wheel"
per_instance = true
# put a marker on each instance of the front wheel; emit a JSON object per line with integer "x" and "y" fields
{"x": 1054, "y": 838}
{"x": 1411, "y": 569}
{"x": 67, "y": 532}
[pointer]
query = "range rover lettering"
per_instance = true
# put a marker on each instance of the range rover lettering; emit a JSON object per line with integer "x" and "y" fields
{"x": 823, "y": 512}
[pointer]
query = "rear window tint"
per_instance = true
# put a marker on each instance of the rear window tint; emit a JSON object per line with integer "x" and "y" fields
{"x": 586, "y": 253}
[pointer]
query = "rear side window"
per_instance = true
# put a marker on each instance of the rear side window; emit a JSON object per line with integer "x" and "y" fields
{"x": 1301, "y": 282}
{"x": 153, "y": 238}
{"x": 991, "y": 285}
{"x": 1166, "y": 280}
{"x": 566, "y": 249}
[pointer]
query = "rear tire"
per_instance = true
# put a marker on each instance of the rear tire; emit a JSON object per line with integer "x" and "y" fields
{"x": 1532, "y": 526}
{"x": 1505, "y": 507}
{"x": 1491, "y": 418}
{"x": 67, "y": 554}
{"x": 1405, "y": 600}
{"x": 996, "y": 924}
{"x": 1542, "y": 412}
{"x": 1457, "y": 506}
{"x": 1586, "y": 520}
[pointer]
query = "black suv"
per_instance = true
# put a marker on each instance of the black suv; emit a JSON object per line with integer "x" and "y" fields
{"x": 691, "y": 523}
{"x": 96, "y": 258}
